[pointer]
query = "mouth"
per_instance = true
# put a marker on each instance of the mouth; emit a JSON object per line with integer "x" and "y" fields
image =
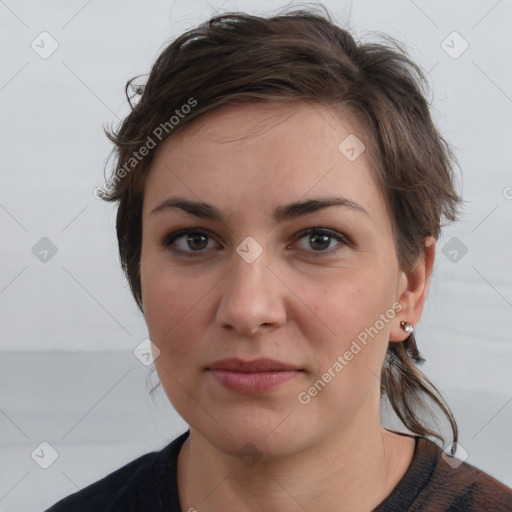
{"x": 256, "y": 365}
{"x": 256, "y": 376}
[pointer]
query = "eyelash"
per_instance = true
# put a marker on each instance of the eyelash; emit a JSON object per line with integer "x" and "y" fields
{"x": 169, "y": 239}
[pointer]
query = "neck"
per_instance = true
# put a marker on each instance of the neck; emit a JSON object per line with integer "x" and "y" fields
{"x": 354, "y": 471}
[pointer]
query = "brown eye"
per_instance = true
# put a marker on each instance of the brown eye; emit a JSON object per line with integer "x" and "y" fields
{"x": 194, "y": 242}
{"x": 319, "y": 240}
{"x": 188, "y": 241}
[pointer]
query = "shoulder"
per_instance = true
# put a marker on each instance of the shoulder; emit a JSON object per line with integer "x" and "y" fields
{"x": 143, "y": 484}
{"x": 462, "y": 486}
{"x": 436, "y": 482}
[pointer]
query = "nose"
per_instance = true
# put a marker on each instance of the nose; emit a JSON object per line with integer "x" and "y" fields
{"x": 252, "y": 298}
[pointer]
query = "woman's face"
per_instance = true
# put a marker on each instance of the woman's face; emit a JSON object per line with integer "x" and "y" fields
{"x": 257, "y": 284}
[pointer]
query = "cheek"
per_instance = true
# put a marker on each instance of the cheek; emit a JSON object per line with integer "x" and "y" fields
{"x": 347, "y": 361}
{"x": 172, "y": 307}
{"x": 351, "y": 328}
{"x": 347, "y": 306}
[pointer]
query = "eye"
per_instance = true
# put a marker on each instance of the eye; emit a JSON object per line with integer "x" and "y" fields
{"x": 320, "y": 239}
{"x": 192, "y": 242}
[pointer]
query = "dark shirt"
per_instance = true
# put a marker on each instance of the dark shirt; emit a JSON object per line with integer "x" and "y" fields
{"x": 430, "y": 484}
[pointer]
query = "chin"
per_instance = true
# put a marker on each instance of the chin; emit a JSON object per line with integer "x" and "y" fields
{"x": 252, "y": 439}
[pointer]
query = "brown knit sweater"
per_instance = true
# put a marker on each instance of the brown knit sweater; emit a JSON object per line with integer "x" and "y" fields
{"x": 430, "y": 485}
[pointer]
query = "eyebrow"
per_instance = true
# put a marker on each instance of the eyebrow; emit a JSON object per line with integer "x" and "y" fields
{"x": 280, "y": 214}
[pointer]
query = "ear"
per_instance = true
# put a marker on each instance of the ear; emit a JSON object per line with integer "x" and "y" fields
{"x": 412, "y": 291}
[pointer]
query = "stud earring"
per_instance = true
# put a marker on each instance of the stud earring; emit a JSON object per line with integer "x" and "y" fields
{"x": 407, "y": 327}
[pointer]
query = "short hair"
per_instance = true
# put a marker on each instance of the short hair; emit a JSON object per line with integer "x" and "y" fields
{"x": 301, "y": 55}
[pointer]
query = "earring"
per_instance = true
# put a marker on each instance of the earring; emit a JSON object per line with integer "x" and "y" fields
{"x": 407, "y": 327}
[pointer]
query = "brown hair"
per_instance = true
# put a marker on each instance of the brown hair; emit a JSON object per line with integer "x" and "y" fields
{"x": 301, "y": 55}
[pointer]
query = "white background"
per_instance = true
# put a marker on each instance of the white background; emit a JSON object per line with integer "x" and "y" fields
{"x": 69, "y": 326}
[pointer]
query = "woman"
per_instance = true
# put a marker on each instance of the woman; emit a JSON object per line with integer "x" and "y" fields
{"x": 281, "y": 189}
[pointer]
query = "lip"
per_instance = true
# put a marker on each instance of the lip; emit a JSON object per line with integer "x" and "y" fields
{"x": 256, "y": 376}
{"x": 263, "y": 364}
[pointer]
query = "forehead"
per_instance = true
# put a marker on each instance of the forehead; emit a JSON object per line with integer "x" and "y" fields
{"x": 262, "y": 155}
